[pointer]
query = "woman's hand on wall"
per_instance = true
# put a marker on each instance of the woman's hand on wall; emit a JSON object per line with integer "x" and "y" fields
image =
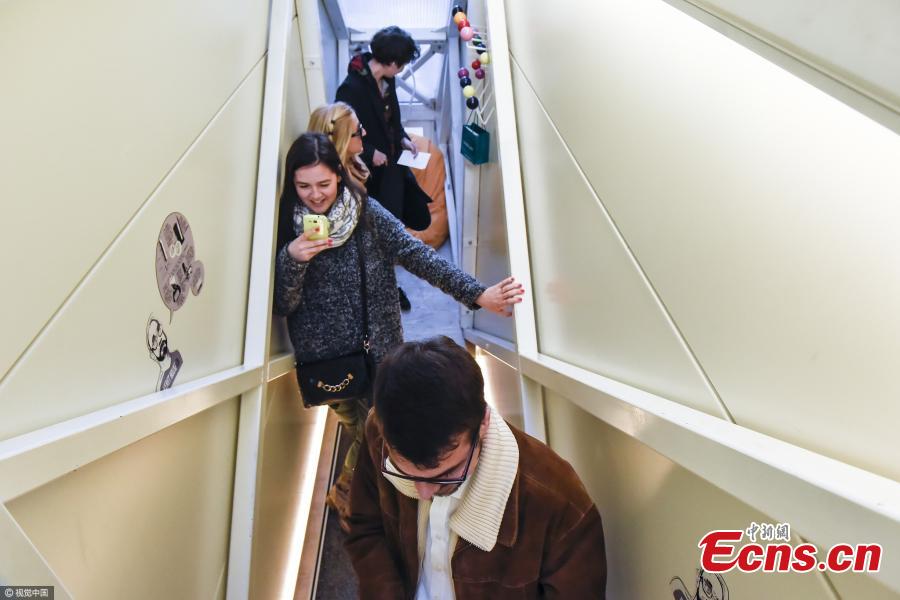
{"x": 303, "y": 249}
{"x": 500, "y": 297}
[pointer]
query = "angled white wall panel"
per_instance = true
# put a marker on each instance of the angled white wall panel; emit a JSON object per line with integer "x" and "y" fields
{"x": 296, "y": 117}
{"x": 655, "y": 512}
{"x": 501, "y": 387}
{"x": 297, "y": 108}
{"x": 491, "y": 255}
{"x": 593, "y": 307}
{"x": 287, "y": 441}
{"x": 852, "y": 43}
{"x": 763, "y": 211}
{"x": 94, "y": 352}
{"x": 491, "y": 250}
{"x": 20, "y": 561}
{"x": 147, "y": 522}
{"x": 100, "y": 101}
{"x": 860, "y": 585}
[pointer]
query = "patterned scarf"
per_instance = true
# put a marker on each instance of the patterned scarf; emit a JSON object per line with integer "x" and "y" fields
{"x": 342, "y": 217}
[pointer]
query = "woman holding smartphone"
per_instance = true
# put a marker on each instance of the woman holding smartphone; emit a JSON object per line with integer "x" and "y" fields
{"x": 318, "y": 281}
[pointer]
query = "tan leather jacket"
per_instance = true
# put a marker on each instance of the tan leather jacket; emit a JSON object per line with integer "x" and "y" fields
{"x": 550, "y": 543}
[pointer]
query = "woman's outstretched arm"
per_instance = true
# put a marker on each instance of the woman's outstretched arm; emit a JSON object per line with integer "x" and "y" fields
{"x": 422, "y": 261}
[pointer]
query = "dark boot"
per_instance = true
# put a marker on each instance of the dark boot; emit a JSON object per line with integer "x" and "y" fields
{"x": 338, "y": 498}
{"x": 405, "y": 306}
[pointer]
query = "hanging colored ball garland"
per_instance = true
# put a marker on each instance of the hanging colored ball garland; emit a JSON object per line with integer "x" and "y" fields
{"x": 468, "y": 34}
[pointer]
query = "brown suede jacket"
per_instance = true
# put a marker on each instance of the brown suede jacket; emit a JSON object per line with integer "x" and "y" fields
{"x": 550, "y": 543}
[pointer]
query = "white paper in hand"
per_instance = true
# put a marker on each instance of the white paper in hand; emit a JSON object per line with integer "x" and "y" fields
{"x": 416, "y": 162}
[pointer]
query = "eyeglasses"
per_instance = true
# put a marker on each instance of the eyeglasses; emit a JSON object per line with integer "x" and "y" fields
{"x": 432, "y": 480}
{"x": 359, "y": 131}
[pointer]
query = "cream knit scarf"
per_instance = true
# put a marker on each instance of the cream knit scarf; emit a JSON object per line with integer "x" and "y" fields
{"x": 478, "y": 517}
{"x": 342, "y": 217}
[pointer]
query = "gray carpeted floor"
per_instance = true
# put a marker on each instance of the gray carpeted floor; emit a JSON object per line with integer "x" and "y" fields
{"x": 433, "y": 313}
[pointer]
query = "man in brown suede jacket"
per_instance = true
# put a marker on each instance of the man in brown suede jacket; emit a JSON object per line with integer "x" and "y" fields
{"x": 448, "y": 501}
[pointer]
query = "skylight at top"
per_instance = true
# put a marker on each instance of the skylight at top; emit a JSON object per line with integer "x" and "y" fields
{"x": 368, "y": 15}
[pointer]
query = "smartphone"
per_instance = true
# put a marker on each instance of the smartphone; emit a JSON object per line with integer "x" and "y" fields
{"x": 310, "y": 222}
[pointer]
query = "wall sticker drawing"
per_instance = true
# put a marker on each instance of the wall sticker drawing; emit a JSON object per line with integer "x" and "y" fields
{"x": 709, "y": 586}
{"x": 177, "y": 271}
{"x": 168, "y": 361}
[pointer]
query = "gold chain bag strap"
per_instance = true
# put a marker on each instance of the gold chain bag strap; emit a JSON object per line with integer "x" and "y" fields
{"x": 346, "y": 377}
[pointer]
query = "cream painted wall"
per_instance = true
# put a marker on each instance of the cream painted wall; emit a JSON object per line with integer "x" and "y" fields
{"x": 492, "y": 255}
{"x": 296, "y": 117}
{"x": 114, "y": 116}
{"x": 853, "y": 42}
{"x": 95, "y": 347}
{"x": 149, "y": 521}
{"x": 594, "y": 307}
{"x": 762, "y": 212}
{"x": 655, "y": 512}
{"x": 501, "y": 387}
{"x": 330, "y": 66}
{"x": 287, "y": 440}
{"x": 102, "y": 99}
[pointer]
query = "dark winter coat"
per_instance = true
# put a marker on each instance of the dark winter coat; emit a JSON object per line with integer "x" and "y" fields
{"x": 393, "y": 185}
{"x": 322, "y": 298}
{"x": 550, "y": 543}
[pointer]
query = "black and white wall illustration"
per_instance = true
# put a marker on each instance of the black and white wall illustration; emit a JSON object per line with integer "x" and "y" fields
{"x": 708, "y": 586}
{"x": 177, "y": 271}
{"x": 169, "y": 361}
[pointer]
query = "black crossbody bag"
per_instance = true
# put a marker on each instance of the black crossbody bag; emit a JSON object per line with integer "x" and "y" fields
{"x": 347, "y": 377}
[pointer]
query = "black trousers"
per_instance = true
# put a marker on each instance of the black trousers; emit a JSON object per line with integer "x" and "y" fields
{"x": 396, "y": 189}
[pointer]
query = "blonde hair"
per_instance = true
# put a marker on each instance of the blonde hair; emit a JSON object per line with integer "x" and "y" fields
{"x": 335, "y": 121}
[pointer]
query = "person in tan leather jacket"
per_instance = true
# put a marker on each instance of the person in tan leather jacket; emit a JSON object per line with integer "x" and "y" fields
{"x": 449, "y": 501}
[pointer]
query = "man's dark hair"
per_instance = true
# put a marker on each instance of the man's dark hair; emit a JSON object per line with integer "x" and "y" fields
{"x": 394, "y": 45}
{"x": 426, "y": 394}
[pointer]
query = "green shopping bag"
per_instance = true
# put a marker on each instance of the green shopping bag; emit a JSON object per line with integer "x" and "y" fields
{"x": 476, "y": 144}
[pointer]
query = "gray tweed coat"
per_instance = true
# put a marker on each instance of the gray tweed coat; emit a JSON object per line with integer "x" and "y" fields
{"x": 322, "y": 301}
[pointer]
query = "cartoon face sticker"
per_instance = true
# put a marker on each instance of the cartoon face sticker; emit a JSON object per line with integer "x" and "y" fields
{"x": 708, "y": 587}
{"x": 157, "y": 342}
{"x": 177, "y": 271}
{"x": 711, "y": 586}
{"x": 168, "y": 361}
